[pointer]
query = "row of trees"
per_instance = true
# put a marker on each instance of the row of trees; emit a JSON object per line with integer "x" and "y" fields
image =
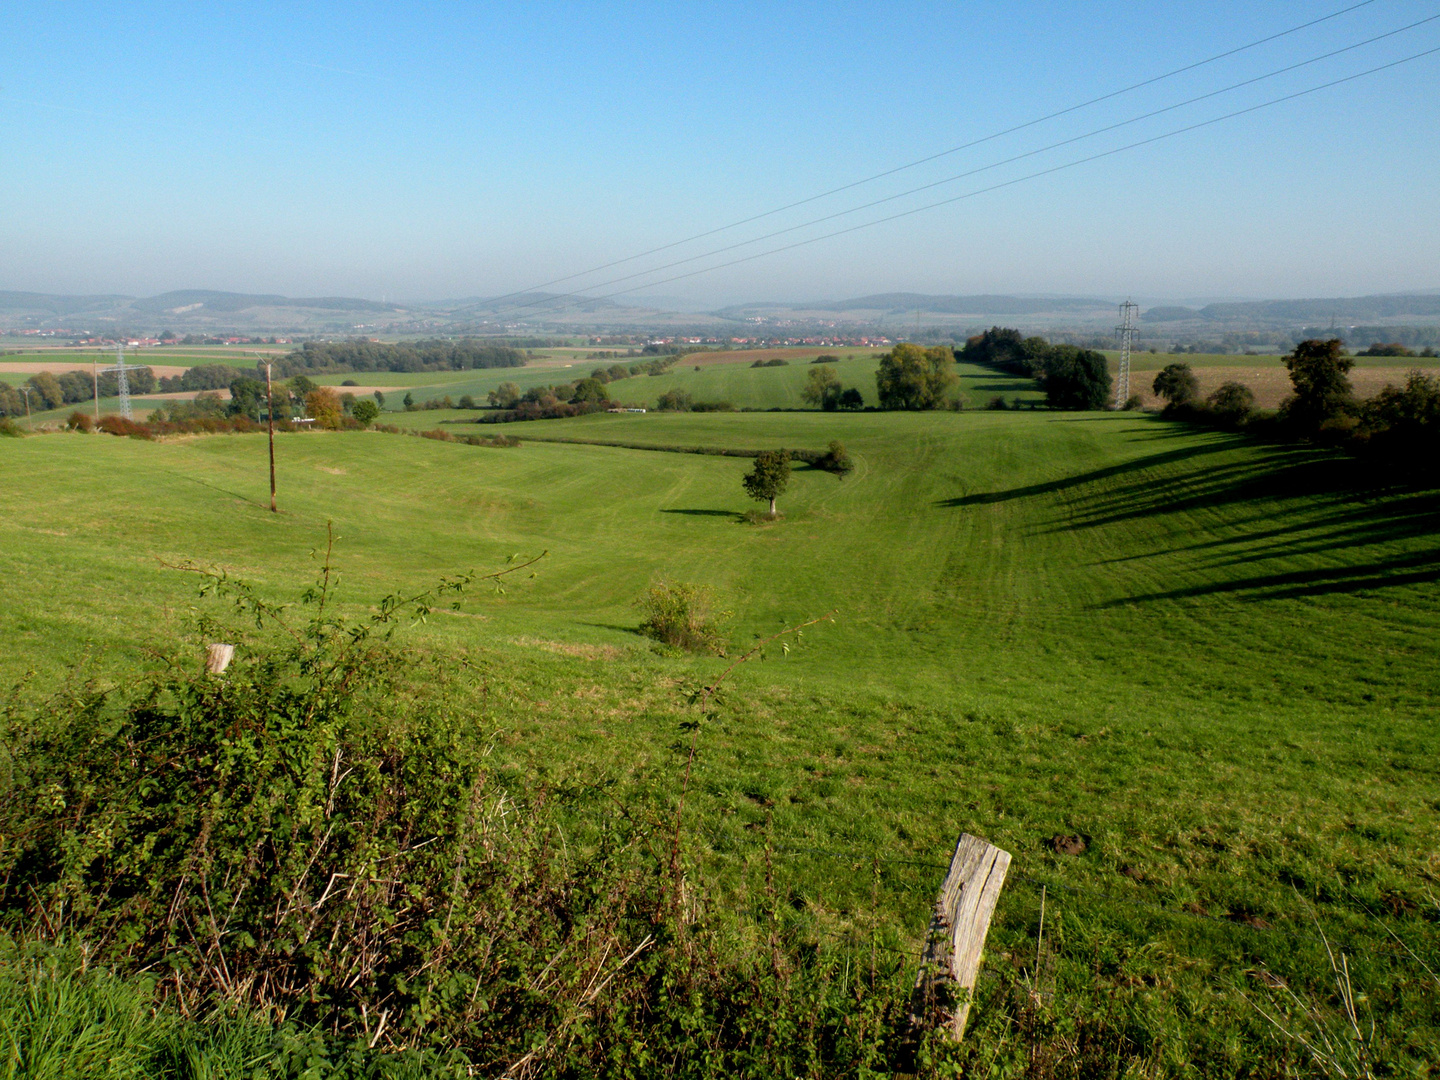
{"x": 51, "y": 391}
{"x": 823, "y": 388}
{"x": 1071, "y": 377}
{"x": 204, "y": 377}
{"x": 436, "y": 355}
{"x": 1400, "y": 424}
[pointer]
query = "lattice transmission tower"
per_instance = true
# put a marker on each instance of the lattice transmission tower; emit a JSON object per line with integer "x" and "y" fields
{"x": 120, "y": 377}
{"x": 1126, "y": 332}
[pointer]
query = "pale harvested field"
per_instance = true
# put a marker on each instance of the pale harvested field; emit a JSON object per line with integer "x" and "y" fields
{"x": 749, "y": 356}
{"x": 1271, "y": 384}
{"x": 58, "y": 367}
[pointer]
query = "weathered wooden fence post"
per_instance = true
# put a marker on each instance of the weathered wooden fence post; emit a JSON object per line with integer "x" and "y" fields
{"x": 950, "y": 960}
{"x": 218, "y": 657}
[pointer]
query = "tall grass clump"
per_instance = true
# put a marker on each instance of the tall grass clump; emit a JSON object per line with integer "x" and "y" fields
{"x": 682, "y": 615}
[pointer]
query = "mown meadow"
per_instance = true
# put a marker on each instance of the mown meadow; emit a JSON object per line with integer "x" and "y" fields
{"x": 1208, "y": 660}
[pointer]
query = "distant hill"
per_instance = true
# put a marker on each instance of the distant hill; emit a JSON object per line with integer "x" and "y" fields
{"x": 1170, "y": 314}
{"x": 228, "y": 302}
{"x": 16, "y": 302}
{"x": 530, "y": 302}
{"x": 967, "y": 305}
{"x": 1352, "y": 309}
{"x": 897, "y": 302}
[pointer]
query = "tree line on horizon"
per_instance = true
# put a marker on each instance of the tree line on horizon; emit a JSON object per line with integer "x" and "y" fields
{"x": 1399, "y": 426}
{"x": 51, "y": 391}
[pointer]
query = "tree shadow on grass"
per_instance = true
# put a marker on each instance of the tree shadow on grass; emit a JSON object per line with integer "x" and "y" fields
{"x": 1017, "y": 386}
{"x": 1268, "y": 506}
{"x": 1151, "y": 461}
{"x": 733, "y": 515}
{"x": 1415, "y": 569}
{"x": 633, "y": 630}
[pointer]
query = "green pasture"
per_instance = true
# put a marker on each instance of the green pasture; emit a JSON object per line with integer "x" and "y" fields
{"x": 743, "y": 386}
{"x": 1213, "y": 660}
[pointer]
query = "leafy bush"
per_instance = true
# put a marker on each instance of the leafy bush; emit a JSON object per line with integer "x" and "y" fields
{"x": 9, "y": 429}
{"x": 1402, "y": 424}
{"x": 1232, "y": 403}
{"x": 673, "y": 401}
{"x": 1176, "y": 383}
{"x": 911, "y": 377}
{"x": 118, "y": 425}
{"x": 836, "y": 460}
{"x": 1319, "y": 372}
{"x": 683, "y": 615}
{"x": 294, "y": 837}
{"x": 1075, "y": 378}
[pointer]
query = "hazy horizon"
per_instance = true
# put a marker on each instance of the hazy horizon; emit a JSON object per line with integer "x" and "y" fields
{"x": 415, "y": 156}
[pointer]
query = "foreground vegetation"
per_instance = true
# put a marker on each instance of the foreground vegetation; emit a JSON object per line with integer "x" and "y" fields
{"x": 1185, "y": 678}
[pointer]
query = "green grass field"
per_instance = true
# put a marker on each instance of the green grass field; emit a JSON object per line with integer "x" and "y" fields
{"x": 1212, "y": 659}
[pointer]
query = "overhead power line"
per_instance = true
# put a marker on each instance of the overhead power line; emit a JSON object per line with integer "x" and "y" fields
{"x": 1021, "y": 179}
{"x": 982, "y": 168}
{"x": 944, "y": 153}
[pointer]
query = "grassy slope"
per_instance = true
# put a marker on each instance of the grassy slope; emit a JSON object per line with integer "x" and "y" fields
{"x": 741, "y": 385}
{"x": 1199, "y": 653}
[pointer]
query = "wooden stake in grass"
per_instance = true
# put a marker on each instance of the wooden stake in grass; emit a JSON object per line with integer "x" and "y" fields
{"x": 954, "y": 946}
{"x": 218, "y": 657}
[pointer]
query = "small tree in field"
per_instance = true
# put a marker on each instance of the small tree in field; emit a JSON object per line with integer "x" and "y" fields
{"x": 821, "y": 386}
{"x": 769, "y": 478}
{"x": 1318, "y": 371}
{"x": 323, "y": 403}
{"x": 1075, "y": 378}
{"x": 913, "y": 377}
{"x": 365, "y": 411}
{"x": 1232, "y": 403}
{"x": 505, "y": 395}
{"x": 1176, "y": 383}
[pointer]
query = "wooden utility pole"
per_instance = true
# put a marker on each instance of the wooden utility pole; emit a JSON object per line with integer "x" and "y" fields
{"x": 95, "y": 374}
{"x": 270, "y": 422}
{"x": 953, "y": 948}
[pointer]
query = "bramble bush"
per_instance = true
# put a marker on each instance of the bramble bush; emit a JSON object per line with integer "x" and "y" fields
{"x": 683, "y": 615}
{"x": 313, "y": 839}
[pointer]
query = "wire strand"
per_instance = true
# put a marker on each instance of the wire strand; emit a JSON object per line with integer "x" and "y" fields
{"x": 943, "y": 153}
{"x": 984, "y": 168}
{"x": 1017, "y": 180}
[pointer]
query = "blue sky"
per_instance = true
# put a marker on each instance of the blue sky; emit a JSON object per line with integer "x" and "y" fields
{"x": 440, "y": 150}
